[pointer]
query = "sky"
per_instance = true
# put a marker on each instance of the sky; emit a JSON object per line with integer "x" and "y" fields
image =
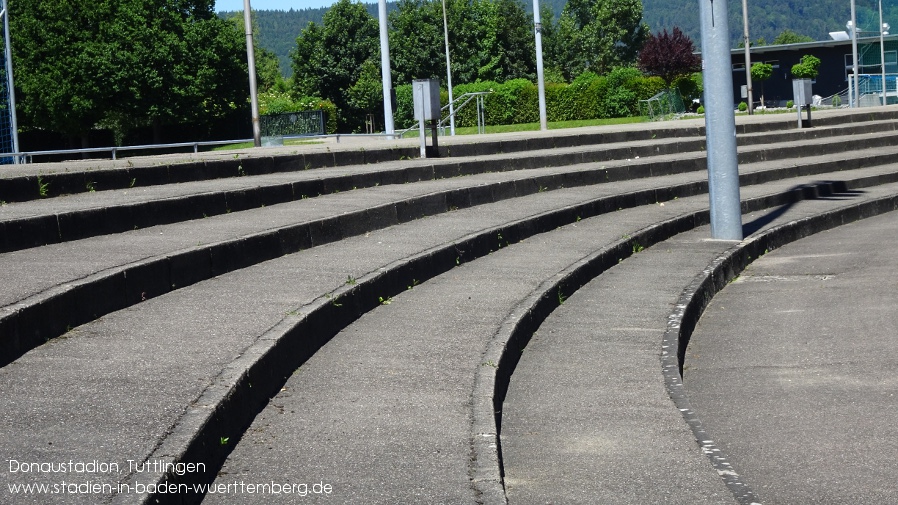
{"x": 263, "y": 5}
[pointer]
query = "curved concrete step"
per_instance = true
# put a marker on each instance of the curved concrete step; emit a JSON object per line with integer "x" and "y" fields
{"x": 588, "y": 392}
{"x": 218, "y": 402}
{"x": 54, "y": 220}
{"x": 146, "y": 263}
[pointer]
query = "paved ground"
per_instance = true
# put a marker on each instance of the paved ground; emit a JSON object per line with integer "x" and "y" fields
{"x": 792, "y": 368}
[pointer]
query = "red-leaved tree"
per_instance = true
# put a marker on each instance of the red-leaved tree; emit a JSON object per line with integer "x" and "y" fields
{"x": 669, "y": 56}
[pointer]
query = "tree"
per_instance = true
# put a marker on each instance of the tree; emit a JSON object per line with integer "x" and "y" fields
{"x": 787, "y": 36}
{"x": 669, "y": 56}
{"x": 488, "y": 40}
{"x": 760, "y": 72}
{"x": 808, "y": 68}
{"x": 329, "y": 61}
{"x": 599, "y": 35}
{"x": 124, "y": 64}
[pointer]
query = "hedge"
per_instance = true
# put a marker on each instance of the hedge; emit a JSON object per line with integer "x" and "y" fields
{"x": 590, "y": 96}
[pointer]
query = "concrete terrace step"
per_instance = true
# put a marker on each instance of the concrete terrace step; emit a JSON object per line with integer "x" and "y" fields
{"x": 44, "y": 221}
{"x": 341, "y": 412}
{"x": 113, "y": 272}
{"x": 222, "y": 325}
{"x": 231, "y": 341}
{"x": 34, "y": 182}
{"x": 56, "y": 220}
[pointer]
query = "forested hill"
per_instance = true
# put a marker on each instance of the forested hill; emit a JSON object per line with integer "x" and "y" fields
{"x": 278, "y": 29}
{"x": 768, "y": 18}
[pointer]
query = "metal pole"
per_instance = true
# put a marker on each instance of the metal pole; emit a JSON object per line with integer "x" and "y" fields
{"x": 882, "y": 54}
{"x": 386, "y": 78}
{"x": 540, "y": 76}
{"x": 421, "y": 123}
{"x": 856, "y": 98}
{"x": 13, "y": 123}
{"x": 746, "y": 42}
{"x": 720, "y": 122}
{"x": 251, "y": 59}
{"x": 448, "y": 73}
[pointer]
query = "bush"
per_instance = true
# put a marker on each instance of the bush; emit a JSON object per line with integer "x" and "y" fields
{"x": 743, "y": 106}
{"x": 701, "y": 109}
{"x": 837, "y": 101}
{"x": 790, "y": 104}
{"x": 589, "y": 96}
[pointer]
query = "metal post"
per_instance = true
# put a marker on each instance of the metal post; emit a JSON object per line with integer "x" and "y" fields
{"x": 386, "y": 78}
{"x": 855, "y": 98}
{"x": 882, "y": 54}
{"x": 720, "y": 122}
{"x": 448, "y": 73}
{"x": 421, "y": 123}
{"x": 540, "y": 76}
{"x": 251, "y": 59}
{"x": 13, "y": 123}
{"x": 747, "y": 43}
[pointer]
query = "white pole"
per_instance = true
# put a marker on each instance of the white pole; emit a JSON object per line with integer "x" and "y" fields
{"x": 251, "y": 60}
{"x": 386, "y": 78}
{"x": 855, "y": 99}
{"x": 540, "y": 76}
{"x": 746, "y": 42}
{"x": 13, "y": 123}
{"x": 882, "y": 53}
{"x": 448, "y": 73}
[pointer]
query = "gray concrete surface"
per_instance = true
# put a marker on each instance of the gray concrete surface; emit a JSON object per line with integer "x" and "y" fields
{"x": 138, "y": 383}
{"x": 587, "y": 418}
{"x": 792, "y": 368}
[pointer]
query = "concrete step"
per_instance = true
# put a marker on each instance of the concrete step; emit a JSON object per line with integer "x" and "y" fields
{"x": 35, "y": 182}
{"x": 112, "y": 272}
{"x": 53, "y": 220}
{"x": 338, "y": 413}
{"x": 179, "y": 377}
{"x": 228, "y": 355}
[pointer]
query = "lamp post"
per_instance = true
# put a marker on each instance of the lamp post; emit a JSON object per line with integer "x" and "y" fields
{"x": 13, "y": 124}
{"x": 852, "y": 26}
{"x": 540, "y": 75}
{"x": 883, "y": 31}
{"x": 386, "y": 78}
{"x": 747, "y": 45}
{"x": 251, "y": 61}
{"x": 448, "y": 73}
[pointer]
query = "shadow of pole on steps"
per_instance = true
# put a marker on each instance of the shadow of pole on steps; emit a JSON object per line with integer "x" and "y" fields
{"x": 823, "y": 190}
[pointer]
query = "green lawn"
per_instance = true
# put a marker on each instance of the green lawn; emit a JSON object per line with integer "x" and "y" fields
{"x": 553, "y": 125}
{"x": 472, "y": 130}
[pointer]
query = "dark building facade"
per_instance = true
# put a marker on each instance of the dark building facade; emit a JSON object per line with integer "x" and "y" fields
{"x": 836, "y": 64}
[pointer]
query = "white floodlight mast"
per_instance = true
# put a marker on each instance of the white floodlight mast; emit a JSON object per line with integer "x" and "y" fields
{"x": 13, "y": 123}
{"x": 448, "y": 73}
{"x": 251, "y": 60}
{"x": 386, "y": 78}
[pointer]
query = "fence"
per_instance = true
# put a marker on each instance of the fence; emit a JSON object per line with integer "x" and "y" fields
{"x": 665, "y": 105}
{"x": 293, "y": 123}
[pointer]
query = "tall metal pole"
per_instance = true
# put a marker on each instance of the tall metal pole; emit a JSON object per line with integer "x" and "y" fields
{"x": 251, "y": 60}
{"x": 882, "y": 53}
{"x": 540, "y": 76}
{"x": 448, "y": 72}
{"x": 386, "y": 78}
{"x": 747, "y": 43}
{"x": 13, "y": 123}
{"x": 720, "y": 122}
{"x": 855, "y": 100}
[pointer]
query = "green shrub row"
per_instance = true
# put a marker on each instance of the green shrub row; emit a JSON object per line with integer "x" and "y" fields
{"x": 590, "y": 96}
